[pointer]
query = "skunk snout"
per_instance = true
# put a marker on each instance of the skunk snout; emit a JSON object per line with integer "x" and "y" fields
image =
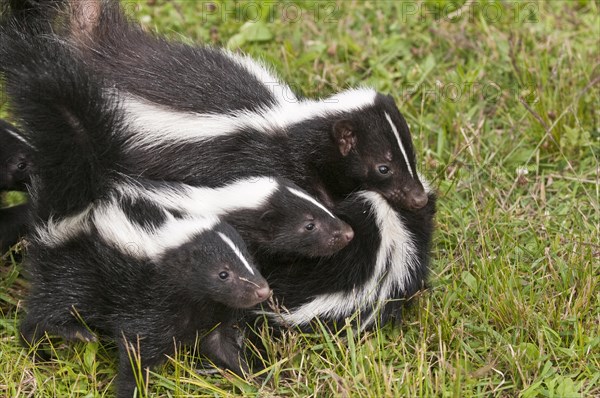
{"x": 342, "y": 236}
{"x": 412, "y": 196}
{"x": 263, "y": 293}
{"x": 417, "y": 199}
{"x": 346, "y": 234}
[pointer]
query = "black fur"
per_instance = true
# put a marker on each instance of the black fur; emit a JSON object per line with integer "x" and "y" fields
{"x": 82, "y": 156}
{"x": 331, "y": 157}
{"x": 178, "y": 75}
{"x": 153, "y": 305}
{"x": 15, "y": 164}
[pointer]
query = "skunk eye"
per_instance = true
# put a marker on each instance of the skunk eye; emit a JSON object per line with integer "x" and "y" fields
{"x": 22, "y": 166}
{"x": 383, "y": 169}
{"x": 223, "y": 275}
{"x": 310, "y": 227}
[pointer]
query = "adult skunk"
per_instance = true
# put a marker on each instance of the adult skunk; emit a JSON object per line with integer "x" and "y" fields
{"x": 199, "y": 107}
{"x": 14, "y": 176}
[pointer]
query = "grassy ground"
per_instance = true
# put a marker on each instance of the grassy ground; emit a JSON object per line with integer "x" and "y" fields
{"x": 503, "y": 101}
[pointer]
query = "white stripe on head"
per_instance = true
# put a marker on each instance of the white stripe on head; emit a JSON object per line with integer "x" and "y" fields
{"x": 179, "y": 231}
{"x": 312, "y": 200}
{"x": 236, "y": 250}
{"x": 18, "y": 137}
{"x": 400, "y": 144}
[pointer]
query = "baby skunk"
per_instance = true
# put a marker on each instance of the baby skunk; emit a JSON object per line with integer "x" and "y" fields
{"x": 385, "y": 264}
{"x": 196, "y": 107}
{"x": 14, "y": 176}
{"x": 83, "y": 178}
{"x": 145, "y": 306}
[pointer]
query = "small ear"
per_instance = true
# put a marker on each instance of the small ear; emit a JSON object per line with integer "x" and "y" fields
{"x": 343, "y": 134}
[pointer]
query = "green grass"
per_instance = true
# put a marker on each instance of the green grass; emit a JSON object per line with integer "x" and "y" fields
{"x": 503, "y": 101}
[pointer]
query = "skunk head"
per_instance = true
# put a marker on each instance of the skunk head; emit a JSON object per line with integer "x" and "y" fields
{"x": 295, "y": 222}
{"x": 378, "y": 154}
{"x": 215, "y": 265}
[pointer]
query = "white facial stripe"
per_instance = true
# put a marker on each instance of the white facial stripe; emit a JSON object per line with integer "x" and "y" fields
{"x": 399, "y": 144}
{"x": 304, "y": 196}
{"x": 237, "y": 251}
{"x": 18, "y": 137}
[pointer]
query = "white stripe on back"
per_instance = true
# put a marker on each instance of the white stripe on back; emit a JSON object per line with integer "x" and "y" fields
{"x": 155, "y": 125}
{"x": 281, "y": 91}
{"x": 400, "y": 144}
{"x": 236, "y": 250}
{"x": 246, "y": 193}
{"x": 54, "y": 233}
{"x": 115, "y": 228}
{"x": 312, "y": 200}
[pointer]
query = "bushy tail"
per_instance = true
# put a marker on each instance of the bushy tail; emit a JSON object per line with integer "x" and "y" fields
{"x": 75, "y": 128}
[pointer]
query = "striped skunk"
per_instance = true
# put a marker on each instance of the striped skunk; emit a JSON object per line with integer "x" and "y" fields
{"x": 385, "y": 264}
{"x": 81, "y": 164}
{"x": 145, "y": 306}
{"x": 14, "y": 176}
{"x": 199, "y": 107}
